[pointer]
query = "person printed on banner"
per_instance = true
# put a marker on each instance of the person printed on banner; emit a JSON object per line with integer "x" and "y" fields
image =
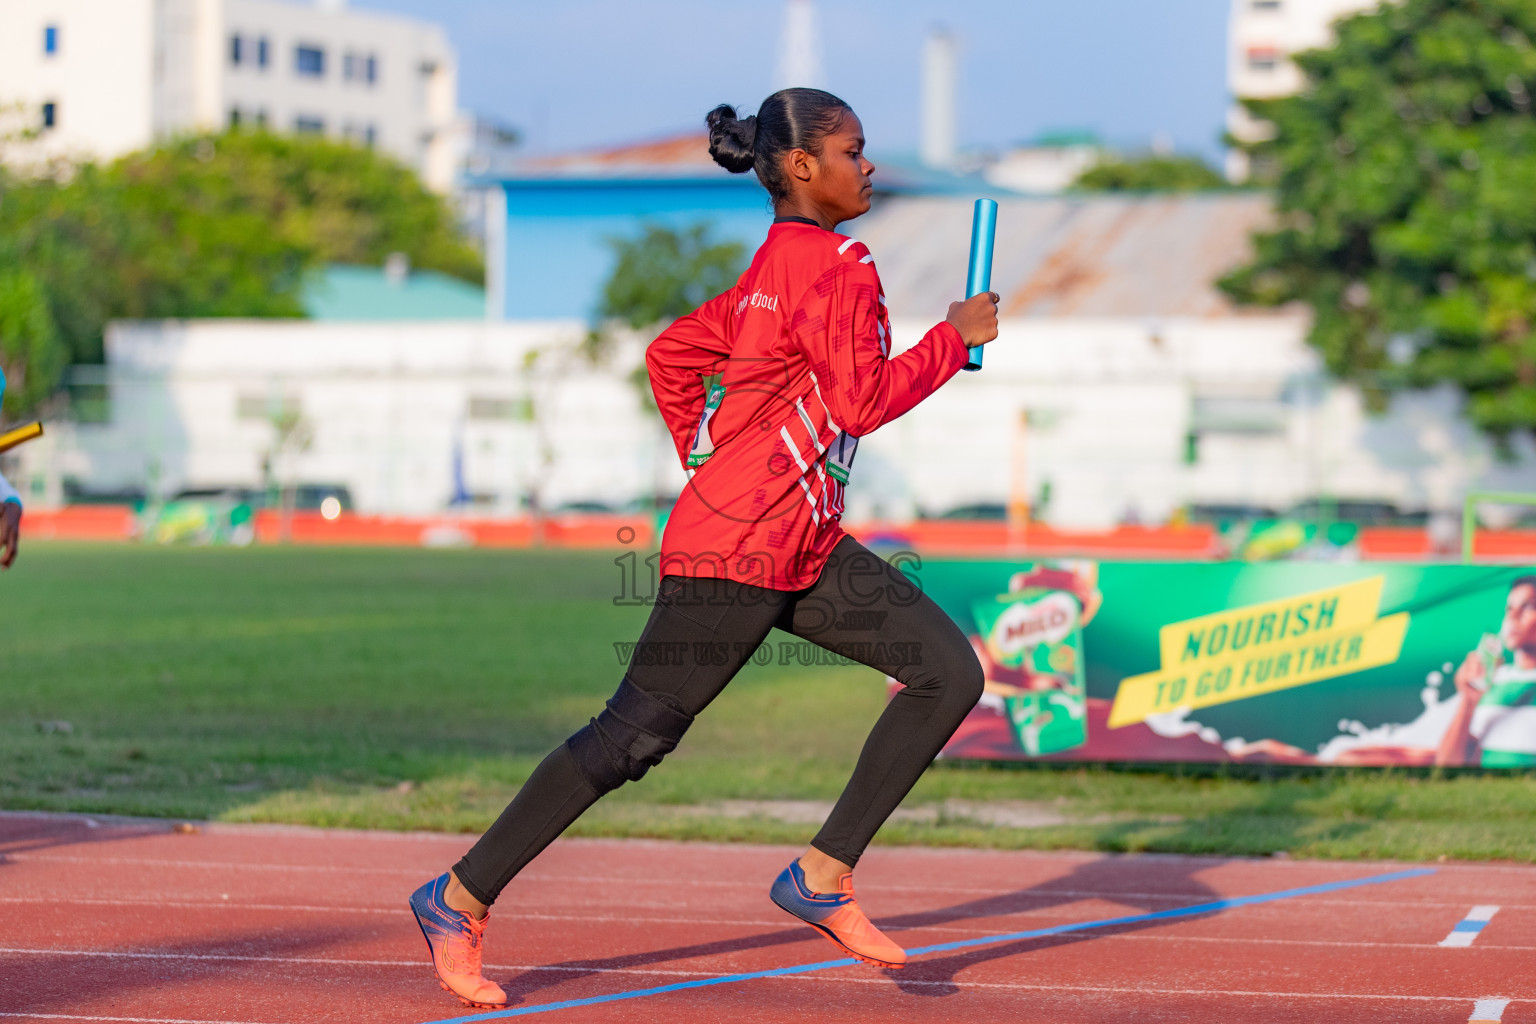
{"x": 1494, "y": 725}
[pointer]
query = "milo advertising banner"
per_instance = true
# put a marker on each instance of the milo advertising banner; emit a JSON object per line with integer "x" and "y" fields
{"x": 1299, "y": 663}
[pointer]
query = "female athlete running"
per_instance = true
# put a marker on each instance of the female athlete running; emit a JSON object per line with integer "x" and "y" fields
{"x": 802, "y": 344}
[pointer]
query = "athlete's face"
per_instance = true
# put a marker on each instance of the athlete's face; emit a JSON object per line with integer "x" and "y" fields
{"x": 833, "y": 185}
{"x": 1518, "y": 632}
{"x": 844, "y": 173}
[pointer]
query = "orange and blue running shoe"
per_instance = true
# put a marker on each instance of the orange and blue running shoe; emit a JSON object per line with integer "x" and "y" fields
{"x": 837, "y": 916}
{"x": 454, "y": 940}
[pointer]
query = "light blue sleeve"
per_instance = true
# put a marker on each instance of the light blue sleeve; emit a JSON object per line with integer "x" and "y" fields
{"x": 7, "y": 492}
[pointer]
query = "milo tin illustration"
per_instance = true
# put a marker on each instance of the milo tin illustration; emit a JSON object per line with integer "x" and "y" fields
{"x": 1038, "y": 633}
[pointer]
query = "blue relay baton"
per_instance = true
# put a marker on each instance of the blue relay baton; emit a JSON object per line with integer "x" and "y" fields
{"x": 979, "y": 278}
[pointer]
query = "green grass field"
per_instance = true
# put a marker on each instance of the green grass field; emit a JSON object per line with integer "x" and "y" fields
{"x": 416, "y": 689}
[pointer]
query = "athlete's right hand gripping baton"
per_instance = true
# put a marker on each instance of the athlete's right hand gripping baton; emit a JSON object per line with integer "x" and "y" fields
{"x": 979, "y": 278}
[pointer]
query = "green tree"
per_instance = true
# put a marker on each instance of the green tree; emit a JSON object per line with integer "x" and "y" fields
{"x": 29, "y": 348}
{"x": 662, "y": 274}
{"x": 1404, "y": 174}
{"x": 202, "y": 226}
{"x": 658, "y": 276}
{"x": 1151, "y": 173}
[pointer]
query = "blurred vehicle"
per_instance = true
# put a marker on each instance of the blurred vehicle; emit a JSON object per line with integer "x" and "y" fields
{"x": 1222, "y": 515}
{"x": 239, "y": 495}
{"x": 306, "y": 497}
{"x": 980, "y": 511}
{"x": 76, "y": 494}
{"x": 649, "y": 503}
{"x": 590, "y": 508}
{"x": 313, "y": 497}
{"x": 1360, "y": 512}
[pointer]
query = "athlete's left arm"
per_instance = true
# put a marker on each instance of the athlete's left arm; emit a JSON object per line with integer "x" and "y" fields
{"x": 694, "y": 347}
{"x": 838, "y": 328}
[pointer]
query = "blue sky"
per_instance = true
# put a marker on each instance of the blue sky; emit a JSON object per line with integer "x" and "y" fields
{"x": 581, "y": 73}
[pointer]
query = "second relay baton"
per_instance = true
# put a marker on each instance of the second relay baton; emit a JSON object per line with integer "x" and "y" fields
{"x": 978, "y": 278}
{"x": 11, "y": 438}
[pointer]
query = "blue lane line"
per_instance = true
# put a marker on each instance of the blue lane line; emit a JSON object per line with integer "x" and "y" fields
{"x": 987, "y": 940}
{"x": 1470, "y": 926}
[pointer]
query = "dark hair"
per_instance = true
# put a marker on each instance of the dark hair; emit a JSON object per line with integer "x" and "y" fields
{"x": 789, "y": 119}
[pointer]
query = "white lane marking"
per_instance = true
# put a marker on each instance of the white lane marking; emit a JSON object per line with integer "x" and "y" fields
{"x": 1468, "y": 927}
{"x": 1488, "y": 1011}
{"x": 1046, "y": 913}
{"x": 844, "y": 978}
{"x": 839, "y": 979}
{"x": 531, "y": 877}
{"x": 129, "y": 1020}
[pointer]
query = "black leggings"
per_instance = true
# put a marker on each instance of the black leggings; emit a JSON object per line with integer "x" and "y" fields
{"x": 700, "y": 633}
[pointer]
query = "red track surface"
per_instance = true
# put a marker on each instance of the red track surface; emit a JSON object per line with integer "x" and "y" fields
{"x": 128, "y": 921}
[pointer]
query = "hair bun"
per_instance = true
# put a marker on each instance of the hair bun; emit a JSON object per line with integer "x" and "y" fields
{"x": 732, "y": 143}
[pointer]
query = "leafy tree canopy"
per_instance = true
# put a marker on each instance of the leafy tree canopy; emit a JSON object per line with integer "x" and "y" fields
{"x": 660, "y": 275}
{"x": 1404, "y": 173}
{"x": 1150, "y": 173}
{"x": 201, "y": 226}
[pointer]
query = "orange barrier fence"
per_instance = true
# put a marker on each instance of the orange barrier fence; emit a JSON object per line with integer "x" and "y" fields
{"x": 79, "y": 522}
{"x": 954, "y": 536}
{"x": 939, "y": 536}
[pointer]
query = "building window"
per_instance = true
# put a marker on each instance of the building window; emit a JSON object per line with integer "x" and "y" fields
{"x": 261, "y": 118}
{"x": 371, "y": 69}
{"x": 370, "y": 135}
{"x": 1263, "y": 58}
{"x": 234, "y": 117}
{"x": 261, "y": 52}
{"x": 50, "y": 114}
{"x": 309, "y": 60}
{"x": 349, "y": 66}
{"x": 50, "y": 39}
{"x": 309, "y": 124}
{"x": 1266, "y": 5}
{"x": 236, "y": 49}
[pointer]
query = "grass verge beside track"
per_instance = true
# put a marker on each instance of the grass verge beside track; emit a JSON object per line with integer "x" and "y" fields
{"x": 403, "y": 688}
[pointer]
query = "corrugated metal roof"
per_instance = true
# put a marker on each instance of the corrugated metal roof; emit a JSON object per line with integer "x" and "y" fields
{"x": 1102, "y": 255}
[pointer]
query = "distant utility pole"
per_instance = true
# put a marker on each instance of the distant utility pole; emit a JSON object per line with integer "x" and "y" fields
{"x": 939, "y": 106}
{"x": 800, "y": 49}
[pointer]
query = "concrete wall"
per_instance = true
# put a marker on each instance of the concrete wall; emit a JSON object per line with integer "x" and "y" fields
{"x": 1110, "y": 405}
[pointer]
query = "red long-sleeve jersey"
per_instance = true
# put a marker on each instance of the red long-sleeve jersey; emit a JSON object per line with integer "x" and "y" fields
{"x": 803, "y": 346}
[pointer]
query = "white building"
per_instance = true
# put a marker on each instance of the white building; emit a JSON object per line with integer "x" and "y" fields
{"x": 1049, "y": 164}
{"x": 102, "y": 77}
{"x": 1123, "y": 386}
{"x": 1261, "y": 36}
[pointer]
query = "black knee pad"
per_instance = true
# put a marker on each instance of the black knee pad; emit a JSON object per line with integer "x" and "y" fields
{"x": 631, "y": 735}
